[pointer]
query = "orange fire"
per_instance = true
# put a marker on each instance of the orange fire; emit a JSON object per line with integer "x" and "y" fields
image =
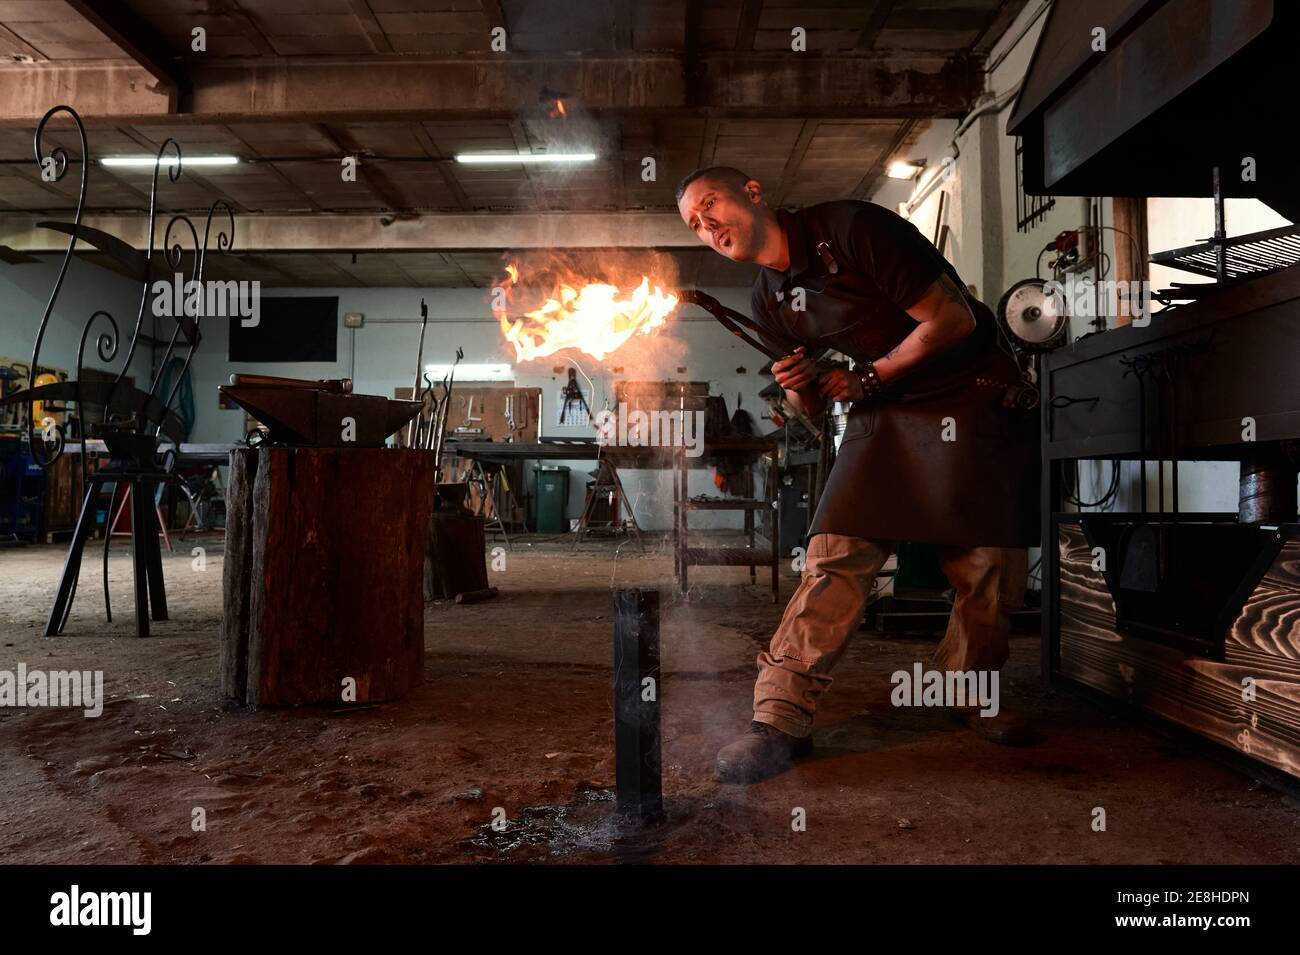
{"x": 593, "y": 317}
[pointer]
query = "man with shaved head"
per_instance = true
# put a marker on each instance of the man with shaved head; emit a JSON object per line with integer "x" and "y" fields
{"x": 935, "y": 450}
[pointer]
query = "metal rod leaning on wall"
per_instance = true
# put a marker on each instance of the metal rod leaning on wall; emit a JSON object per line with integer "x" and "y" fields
{"x": 413, "y": 428}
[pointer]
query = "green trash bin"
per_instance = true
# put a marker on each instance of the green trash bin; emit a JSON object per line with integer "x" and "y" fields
{"x": 552, "y": 499}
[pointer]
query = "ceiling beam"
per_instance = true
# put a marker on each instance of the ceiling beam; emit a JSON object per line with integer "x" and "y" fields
{"x": 747, "y": 32}
{"x": 368, "y": 172}
{"x": 875, "y": 23}
{"x": 622, "y": 11}
{"x": 425, "y": 233}
{"x": 244, "y": 23}
{"x": 14, "y": 40}
{"x": 289, "y": 185}
{"x": 331, "y": 89}
{"x": 106, "y": 90}
{"x": 434, "y": 152}
{"x": 133, "y": 35}
{"x": 375, "y": 34}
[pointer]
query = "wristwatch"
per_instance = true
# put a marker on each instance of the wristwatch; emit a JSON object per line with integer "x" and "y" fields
{"x": 870, "y": 378}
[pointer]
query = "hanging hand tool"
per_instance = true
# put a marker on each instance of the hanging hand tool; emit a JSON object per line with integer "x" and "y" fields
{"x": 469, "y": 411}
{"x": 573, "y": 396}
{"x": 447, "y": 384}
{"x": 429, "y": 406}
{"x": 437, "y": 419}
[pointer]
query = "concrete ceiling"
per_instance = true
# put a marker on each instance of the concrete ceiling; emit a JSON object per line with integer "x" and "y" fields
{"x": 294, "y": 86}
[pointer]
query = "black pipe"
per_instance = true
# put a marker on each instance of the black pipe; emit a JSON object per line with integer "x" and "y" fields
{"x": 638, "y": 762}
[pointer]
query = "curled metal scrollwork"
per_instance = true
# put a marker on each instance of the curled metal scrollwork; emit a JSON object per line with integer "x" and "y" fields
{"x": 225, "y": 241}
{"x": 173, "y": 173}
{"x": 106, "y": 348}
{"x": 53, "y": 434}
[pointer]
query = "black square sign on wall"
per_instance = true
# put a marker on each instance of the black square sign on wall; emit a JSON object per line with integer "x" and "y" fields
{"x": 290, "y": 328}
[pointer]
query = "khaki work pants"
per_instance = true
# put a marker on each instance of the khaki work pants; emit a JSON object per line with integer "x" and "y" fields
{"x": 827, "y": 608}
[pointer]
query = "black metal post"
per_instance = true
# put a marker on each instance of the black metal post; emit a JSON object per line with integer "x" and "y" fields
{"x": 72, "y": 563}
{"x": 1220, "y": 232}
{"x": 153, "y": 552}
{"x": 141, "y": 525}
{"x": 638, "y": 763}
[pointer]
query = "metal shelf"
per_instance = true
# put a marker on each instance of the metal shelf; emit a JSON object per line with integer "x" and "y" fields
{"x": 1246, "y": 255}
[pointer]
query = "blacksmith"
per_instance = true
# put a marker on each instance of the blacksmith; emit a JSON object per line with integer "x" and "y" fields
{"x": 933, "y": 450}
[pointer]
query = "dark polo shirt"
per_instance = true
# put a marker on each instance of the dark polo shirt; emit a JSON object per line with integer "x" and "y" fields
{"x": 856, "y": 258}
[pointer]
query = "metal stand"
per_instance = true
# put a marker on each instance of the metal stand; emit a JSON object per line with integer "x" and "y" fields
{"x": 615, "y": 483}
{"x": 127, "y": 498}
{"x": 131, "y": 464}
{"x": 487, "y": 484}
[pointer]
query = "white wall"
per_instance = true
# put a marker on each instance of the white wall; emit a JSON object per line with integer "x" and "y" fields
{"x": 24, "y": 291}
{"x": 381, "y": 357}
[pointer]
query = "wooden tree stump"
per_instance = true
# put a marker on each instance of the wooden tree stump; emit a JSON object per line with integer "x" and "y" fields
{"x": 323, "y": 574}
{"x": 456, "y": 560}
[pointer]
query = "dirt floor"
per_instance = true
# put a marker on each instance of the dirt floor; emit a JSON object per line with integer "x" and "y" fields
{"x": 515, "y": 712}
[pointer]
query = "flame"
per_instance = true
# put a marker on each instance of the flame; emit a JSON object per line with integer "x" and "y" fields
{"x": 593, "y": 317}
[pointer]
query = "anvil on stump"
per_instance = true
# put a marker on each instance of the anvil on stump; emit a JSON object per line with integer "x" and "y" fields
{"x": 323, "y": 574}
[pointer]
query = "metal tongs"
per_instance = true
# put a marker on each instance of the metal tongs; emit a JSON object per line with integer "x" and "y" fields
{"x": 772, "y": 344}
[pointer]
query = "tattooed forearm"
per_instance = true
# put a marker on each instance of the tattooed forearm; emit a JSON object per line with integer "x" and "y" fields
{"x": 943, "y": 318}
{"x": 948, "y": 288}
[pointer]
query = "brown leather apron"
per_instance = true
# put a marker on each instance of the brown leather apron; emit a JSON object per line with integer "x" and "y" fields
{"x": 944, "y": 463}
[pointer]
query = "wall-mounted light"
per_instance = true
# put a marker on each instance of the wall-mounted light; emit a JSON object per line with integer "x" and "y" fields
{"x": 905, "y": 169}
{"x": 511, "y": 158}
{"x": 465, "y": 372}
{"x": 148, "y": 161}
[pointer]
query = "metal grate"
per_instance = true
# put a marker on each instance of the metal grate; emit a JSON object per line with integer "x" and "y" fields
{"x": 1030, "y": 210}
{"x": 1253, "y": 254}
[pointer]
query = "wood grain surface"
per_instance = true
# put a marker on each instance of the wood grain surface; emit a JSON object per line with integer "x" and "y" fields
{"x": 1206, "y": 696}
{"x": 334, "y": 555}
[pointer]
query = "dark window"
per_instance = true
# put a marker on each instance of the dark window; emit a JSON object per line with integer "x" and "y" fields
{"x": 1030, "y": 210}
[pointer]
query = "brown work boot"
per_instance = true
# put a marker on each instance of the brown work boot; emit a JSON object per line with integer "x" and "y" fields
{"x": 1008, "y": 728}
{"x": 760, "y": 754}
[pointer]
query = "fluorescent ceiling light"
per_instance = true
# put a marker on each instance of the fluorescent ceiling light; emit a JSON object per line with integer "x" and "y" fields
{"x": 903, "y": 210}
{"x": 524, "y": 157}
{"x": 899, "y": 169}
{"x": 466, "y": 372}
{"x": 170, "y": 161}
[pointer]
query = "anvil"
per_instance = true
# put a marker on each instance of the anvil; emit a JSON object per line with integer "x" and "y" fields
{"x": 320, "y": 414}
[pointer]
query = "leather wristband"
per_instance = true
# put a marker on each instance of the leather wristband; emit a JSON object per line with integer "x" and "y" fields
{"x": 870, "y": 378}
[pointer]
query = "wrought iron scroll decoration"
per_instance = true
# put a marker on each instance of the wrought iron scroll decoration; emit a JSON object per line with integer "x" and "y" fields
{"x": 59, "y": 156}
{"x": 125, "y": 406}
{"x": 139, "y": 408}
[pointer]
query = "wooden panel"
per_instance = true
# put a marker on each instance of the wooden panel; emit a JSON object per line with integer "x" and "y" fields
{"x": 1202, "y": 695}
{"x": 490, "y": 408}
{"x": 63, "y": 495}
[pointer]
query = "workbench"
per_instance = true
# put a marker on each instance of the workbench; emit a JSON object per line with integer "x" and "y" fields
{"x": 744, "y": 448}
